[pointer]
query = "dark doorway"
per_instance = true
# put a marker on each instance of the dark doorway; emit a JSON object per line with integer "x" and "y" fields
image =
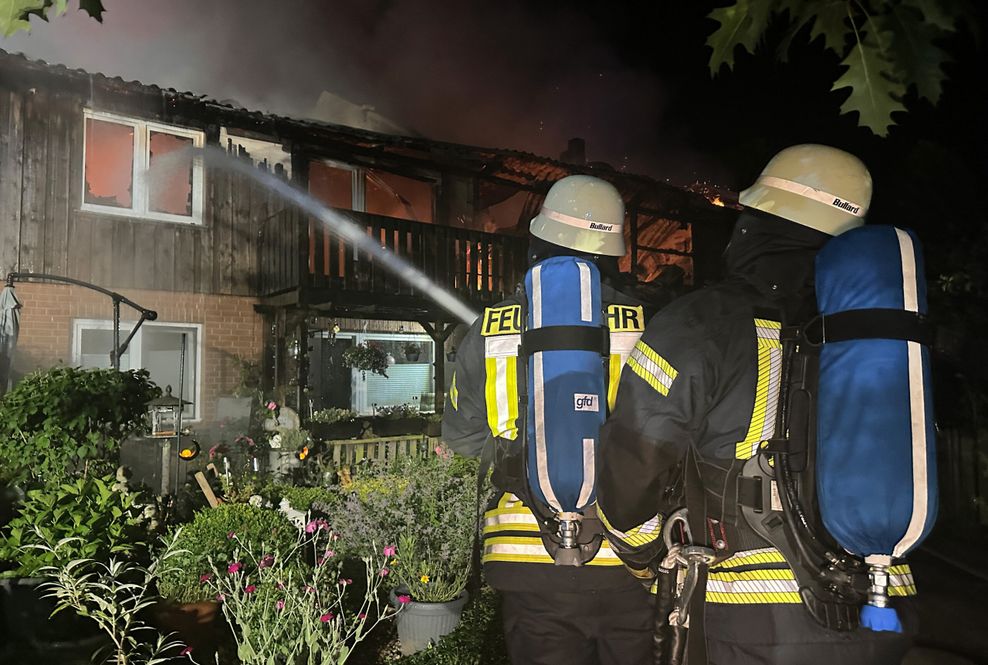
{"x": 329, "y": 380}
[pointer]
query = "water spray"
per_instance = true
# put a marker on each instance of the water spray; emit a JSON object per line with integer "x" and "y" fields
{"x": 340, "y": 225}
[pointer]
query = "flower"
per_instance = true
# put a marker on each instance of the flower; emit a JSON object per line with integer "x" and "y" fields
{"x": 186, "y": 651}
{"x": 362, "y": 616}
{"x": 424, "y": 579}
{"x": 266, "y": 561}
{"x": 205, "y": 577}
{"x": 280, "y": 605}
{"x": 250, "y": 588}
{"x": 310, "y": 527}
{"x": 344, "y": 582}
{"x": 383, "y": 572}
{"x": 220, "y": 598}
{"x": 231, "y": 535}
{"x": 390, "y": 550}
{"x": 234, "y": 567}
{"x": 310, "y": 589}
{"x": 329, "y": 554}
{"x": 280, "y": 586}
{"x": 327, "y": 617}
{"x": 272, "y": 406}
{"x": 404, "y": 599}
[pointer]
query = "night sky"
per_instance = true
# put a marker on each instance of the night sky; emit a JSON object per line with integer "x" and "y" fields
{"x": 629, "y": 77}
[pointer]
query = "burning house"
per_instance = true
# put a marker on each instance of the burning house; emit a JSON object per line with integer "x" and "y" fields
{"x": 245, "y": 275}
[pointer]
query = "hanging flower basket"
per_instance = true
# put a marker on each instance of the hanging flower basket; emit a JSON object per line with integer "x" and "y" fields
{"x": 367, "y": 358}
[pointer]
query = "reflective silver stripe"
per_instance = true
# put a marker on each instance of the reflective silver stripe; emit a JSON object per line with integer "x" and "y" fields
{"x": 536, "y": 297}
{"x": 541, "y": 455}
{"x": 652, "y": 368}
{"x": 501, "y": 346}
{"x": 589, "y": 473}
{"x": 587, "y": 224}
{"x": 917, "y": 404}
{"x": 622, "y": 343}
{"x": 586, "y": 295}
{"x": 753, "y": 586}
{"x": 811, "y": 193}
{"x": 536, "y": 550}
{"x": 501, "y": 390}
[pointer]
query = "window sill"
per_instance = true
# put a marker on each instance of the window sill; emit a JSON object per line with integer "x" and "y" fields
{"x": 130, "y": 217}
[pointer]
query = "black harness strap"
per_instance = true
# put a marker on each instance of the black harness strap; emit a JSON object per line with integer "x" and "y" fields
{"x": 595, "y": 339}
{"x": 871, "y": 324}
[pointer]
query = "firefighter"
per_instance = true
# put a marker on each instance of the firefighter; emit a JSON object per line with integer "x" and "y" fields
{"x": 553, "y": 614}
{"x": 698, "y": 399}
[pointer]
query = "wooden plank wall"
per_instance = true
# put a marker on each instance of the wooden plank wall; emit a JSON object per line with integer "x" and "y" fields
{"x": 43, "y": 229}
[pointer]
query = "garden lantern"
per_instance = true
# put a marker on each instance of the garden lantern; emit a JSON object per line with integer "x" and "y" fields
{"x": 165, "y": 412}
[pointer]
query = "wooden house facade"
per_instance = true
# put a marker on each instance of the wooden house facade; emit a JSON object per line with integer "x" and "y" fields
{"x": 101, "y": 181}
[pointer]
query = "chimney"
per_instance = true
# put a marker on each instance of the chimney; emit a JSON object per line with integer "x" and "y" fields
{"x": 575, "y": 153}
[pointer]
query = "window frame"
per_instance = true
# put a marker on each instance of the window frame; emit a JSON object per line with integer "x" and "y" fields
{"x": 358, "y": 185}
{"x": 135, "y": 350}
{"x": 140, "y": 193}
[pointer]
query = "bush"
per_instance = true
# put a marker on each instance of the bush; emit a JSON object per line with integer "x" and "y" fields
{"x": 397, "y": 411}
{"x": 66, "y": 419}
{"x": 101, "y": 516}
{"x": 217, "y": 533}
{"x": 367, "y": 358}
{"x": 332, "y": 415}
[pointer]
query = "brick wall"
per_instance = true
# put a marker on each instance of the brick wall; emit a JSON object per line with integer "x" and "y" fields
{"x": 230, "y": 328}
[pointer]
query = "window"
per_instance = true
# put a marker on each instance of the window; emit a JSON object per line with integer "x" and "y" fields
{"x": 372, "y": 190}
{"x": 156, "y": 347}
{"x": 409, "y": 377}
{"x": 142, "y": 169}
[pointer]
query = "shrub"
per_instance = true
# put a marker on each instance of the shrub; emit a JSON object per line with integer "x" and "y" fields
{"x": 102, "y": 518}
{"x": 396, "y": 411}
{"x": 216, "y": 533}
{"x": 333, "y": 415}
{"x": 367, "y": 358}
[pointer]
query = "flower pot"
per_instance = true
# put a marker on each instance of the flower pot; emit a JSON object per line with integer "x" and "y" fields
{"x": 397, "y": 426}
{"x": 192, "y": 623}
{"x": 421, "y": 624}
{"x": 344, "y": 429}
{"x": 412, "y": 356}
{"x": 28, "y": 620}
{"x": 433, "y": 428}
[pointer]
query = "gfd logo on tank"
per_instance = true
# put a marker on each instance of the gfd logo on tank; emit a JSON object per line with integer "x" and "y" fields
{"x": 586, "y": 403}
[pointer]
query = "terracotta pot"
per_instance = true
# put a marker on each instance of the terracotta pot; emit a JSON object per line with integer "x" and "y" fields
{"x": 192, "y": 623}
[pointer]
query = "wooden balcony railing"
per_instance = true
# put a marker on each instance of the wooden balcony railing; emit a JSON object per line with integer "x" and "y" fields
{"x": 299, "y": 252}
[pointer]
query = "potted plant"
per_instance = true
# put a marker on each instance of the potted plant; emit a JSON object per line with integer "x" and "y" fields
{"x": 397, "y": 420}
{"x": 367, "y": 358}
{"x": 96, "y": 518}
{"x": 426, "y": 506}
{"x": 412, "y": 352}
{"x": 189, "y": 604}
{"x": 335, "y": 423}
{"x": 434, "y": 424}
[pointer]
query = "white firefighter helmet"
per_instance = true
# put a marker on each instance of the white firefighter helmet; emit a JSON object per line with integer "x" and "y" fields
{"x": 582, "y": 213}
{"x": 814, "y": 185}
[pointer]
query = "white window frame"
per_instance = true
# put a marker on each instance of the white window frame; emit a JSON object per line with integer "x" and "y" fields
{"x": 359, "y": 401}
{"x": 134, "y": 349}
{"x": 140, "y": 199}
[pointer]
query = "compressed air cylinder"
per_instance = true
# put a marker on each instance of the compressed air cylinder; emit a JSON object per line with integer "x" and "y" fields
{"x": 876, "y": 465}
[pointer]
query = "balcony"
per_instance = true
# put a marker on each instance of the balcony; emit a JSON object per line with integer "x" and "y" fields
{"x": 303, "y": 264}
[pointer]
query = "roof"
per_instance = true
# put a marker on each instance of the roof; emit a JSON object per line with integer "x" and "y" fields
{"x": 497, "y": 167}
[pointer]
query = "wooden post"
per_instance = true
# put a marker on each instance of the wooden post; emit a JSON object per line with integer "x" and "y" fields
{"x": 439, "y": 333}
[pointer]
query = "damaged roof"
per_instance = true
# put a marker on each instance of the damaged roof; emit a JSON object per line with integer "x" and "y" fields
{"x": 494, "y": 166}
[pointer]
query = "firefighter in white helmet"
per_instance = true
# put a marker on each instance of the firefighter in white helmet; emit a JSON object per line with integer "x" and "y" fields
{"x": 698, "y": 400}
{"x": 591, "y": 614}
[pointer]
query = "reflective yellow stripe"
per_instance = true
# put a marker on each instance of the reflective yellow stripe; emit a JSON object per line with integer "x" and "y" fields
{"x": 501, "y": 396}
{"x": 521, "y": 549}
{"x": 901, "y": 581}
{"x": 752, "y": 587}
{"x": 751, "y": 557}
{"x": 762, "y": 423}
{"x": 652, "y": 368}
{"x": 454, "y": 394}
{"x": 639, "y": 536}
{"x": 613, "y": 380}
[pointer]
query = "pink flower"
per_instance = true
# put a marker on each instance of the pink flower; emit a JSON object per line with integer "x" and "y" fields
{"x": 384, "y": 572}
{"x": 311, "y": 527}
{"x": 266, "y": 561}
{"x": 280, "y": 586}
{"x": 186, "y": 651}
{"x": 280, "y": 605}
{"x": 272, "y": 406}
{"x": 220, "y": 598}
{"x": 310, "y": 589}
{"x": 329, "y": 554}
{"x": 250, "y": 588}
{"x": 234, "y": 567}
{"x": 344, "y": 582}
{"x": 404, "y": 599}
{"x": 390, "y": 550}
{"x": 327, "y": 617}
{"x": 205, "y": 577}
{"x": 362, "y": 616}
{"x": 231, "y": 535}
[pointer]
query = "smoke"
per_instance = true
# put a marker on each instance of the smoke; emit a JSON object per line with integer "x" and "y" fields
{"x": 512, "y": 74}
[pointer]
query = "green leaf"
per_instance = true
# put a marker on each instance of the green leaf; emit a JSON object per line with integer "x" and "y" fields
{"x": 831, "y": 23}
{"x": 14, "y": 14}
{"x": 915, "y": 52}
{"x": 800, "y": 15}
{"x": 874, "y": 94}
{"x": 93, "y": 7}
{"x": 742, "y": 23}
{"x": 935, "y": 12}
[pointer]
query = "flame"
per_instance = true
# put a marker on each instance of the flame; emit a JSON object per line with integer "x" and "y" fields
{"x": 717, "y": 201}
